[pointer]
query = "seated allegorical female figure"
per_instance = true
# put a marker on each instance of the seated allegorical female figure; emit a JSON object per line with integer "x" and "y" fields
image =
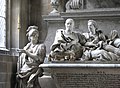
{"x": 32, "y": 55}
{"x": 67, "y": 44}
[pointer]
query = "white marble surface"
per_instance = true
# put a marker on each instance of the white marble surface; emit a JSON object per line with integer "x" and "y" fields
{"x": 72, "y": 65}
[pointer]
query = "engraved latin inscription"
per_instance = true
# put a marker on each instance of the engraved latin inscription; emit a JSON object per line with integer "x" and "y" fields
{"x": 80, "y": 80}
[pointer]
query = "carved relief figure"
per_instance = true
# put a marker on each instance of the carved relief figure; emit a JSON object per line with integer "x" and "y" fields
{"x": 32, "y": 55}
{"x": 67, "y": 44}
{"x": 73, "y": 4}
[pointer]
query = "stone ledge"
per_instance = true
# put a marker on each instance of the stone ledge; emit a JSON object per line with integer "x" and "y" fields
{"x": 73, "y": 65}
{"x": 52, "y": 17}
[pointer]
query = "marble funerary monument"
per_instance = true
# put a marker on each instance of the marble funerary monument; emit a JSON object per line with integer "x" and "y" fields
{"x": 84, "y": 72}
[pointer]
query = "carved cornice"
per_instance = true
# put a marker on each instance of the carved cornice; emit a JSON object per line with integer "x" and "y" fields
{"x": 52, "y": 17}
{"x": 94, "y": 14}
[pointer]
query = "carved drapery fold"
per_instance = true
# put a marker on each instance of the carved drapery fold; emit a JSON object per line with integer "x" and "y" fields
{"x": 74, "y": 4}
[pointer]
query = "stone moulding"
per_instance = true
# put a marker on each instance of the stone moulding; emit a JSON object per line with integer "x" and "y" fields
{"x": 52, "y": 17}
{"x": 95, "y": 13}
{"x": 74, "y": 65}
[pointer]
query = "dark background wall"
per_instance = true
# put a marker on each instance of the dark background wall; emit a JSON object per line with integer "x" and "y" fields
{"x": 7, "y": 71}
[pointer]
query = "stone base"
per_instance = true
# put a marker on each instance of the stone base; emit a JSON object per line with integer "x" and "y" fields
{"x": 77, "y": 75}
{"x": 46, "y": 82}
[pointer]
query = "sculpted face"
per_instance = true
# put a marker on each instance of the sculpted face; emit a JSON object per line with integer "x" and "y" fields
{"x": 33, "y": 36}
{"x": 69, "y": 24}
{"x": 91, "y": 28}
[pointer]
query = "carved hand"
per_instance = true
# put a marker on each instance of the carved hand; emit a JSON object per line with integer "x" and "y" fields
{"x": 21, "y": 51}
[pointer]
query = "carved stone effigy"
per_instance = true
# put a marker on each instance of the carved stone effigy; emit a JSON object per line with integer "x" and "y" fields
{"x": 92, "y": 46}
{"x": 67, "y": 44}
